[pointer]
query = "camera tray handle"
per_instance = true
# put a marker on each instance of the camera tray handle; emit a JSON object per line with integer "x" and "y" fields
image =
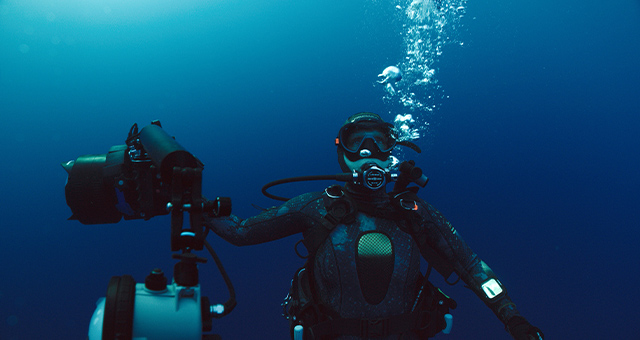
{"x": 186, "y": 194}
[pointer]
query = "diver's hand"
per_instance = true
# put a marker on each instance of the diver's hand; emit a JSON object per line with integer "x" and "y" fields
{"x": 521, "y": 329}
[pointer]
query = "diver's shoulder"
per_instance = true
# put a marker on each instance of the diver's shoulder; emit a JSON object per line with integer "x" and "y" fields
{"x": 306, "y": 198}
{"x": 310, "y": 204}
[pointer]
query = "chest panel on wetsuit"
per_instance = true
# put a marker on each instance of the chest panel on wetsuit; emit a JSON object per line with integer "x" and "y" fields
{"x": 374, "y": 263}
{"x": 348, "y": 267}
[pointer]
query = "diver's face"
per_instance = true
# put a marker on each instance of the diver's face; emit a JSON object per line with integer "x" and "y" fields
{"x": 367, "y": 142}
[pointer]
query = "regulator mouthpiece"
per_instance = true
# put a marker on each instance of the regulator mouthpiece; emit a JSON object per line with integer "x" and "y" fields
{"x": 371, "y": 176}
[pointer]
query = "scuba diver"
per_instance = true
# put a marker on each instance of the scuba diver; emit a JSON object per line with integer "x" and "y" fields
{"x": 362, "y": 277}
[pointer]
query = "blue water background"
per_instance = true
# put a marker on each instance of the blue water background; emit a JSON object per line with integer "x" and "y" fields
{"x": 532, "y": 152}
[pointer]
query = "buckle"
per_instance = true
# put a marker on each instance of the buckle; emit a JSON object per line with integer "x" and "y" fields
{"x": 374, "y": 328}
{"x": 334, "y": 191}
{"x": 408, "y": 204}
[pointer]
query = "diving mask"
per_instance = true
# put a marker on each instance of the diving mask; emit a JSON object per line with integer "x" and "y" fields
{"x": 356, "y": 137}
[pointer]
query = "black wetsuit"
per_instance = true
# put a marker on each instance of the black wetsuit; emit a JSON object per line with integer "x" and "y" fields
{"x": 337, "y": 278}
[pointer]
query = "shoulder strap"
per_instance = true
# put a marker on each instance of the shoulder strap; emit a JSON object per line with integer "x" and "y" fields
{"x": 340, "y": 209}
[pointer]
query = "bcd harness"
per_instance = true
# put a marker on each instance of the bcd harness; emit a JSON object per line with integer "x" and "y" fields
{"x": 302, "y": 305}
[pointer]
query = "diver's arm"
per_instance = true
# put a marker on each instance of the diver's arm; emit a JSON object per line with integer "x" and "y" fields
{"x": 292, "y": 217}
{"x": 440, "y": 235}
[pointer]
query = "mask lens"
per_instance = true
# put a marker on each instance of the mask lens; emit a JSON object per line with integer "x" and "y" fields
{"x": 353, "y": 136}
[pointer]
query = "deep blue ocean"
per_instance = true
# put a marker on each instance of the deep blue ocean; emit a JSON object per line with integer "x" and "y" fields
{"x": 532, "y": 145}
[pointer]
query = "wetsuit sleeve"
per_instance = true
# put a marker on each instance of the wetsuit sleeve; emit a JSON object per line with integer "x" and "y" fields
{"x": 438, "y": 234}
{"x": 294, "y": 216}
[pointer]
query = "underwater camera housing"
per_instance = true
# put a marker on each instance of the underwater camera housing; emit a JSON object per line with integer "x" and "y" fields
{"x": 130, "y": 181}
{"x": 148, "y": 176}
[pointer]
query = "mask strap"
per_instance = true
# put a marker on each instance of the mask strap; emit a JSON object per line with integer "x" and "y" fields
{"x": 410, "y": 145}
